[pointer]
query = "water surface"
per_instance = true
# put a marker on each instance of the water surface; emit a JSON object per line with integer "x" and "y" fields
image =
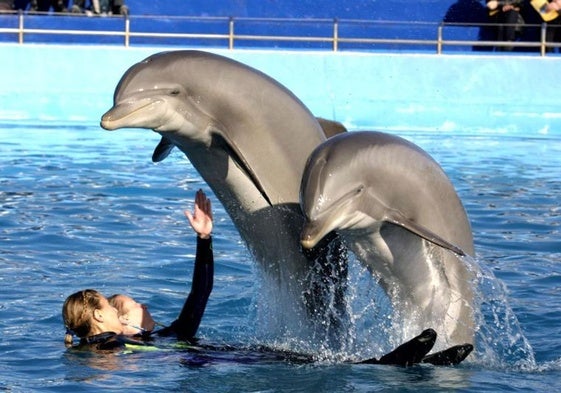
{"x": 80, "y": 207}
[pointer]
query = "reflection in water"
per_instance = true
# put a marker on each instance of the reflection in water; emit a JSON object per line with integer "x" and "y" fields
{"x": 91, "y": 363}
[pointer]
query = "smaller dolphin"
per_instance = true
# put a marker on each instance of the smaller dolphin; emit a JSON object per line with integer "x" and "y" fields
{"x": 399, "y": 214}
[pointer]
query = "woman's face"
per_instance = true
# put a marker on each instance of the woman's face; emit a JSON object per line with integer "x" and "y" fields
{"x": 109, "y": 318}
{"x": 135, "y": 316}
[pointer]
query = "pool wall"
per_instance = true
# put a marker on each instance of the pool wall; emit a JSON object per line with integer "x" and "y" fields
{"x": 50, "y": 84}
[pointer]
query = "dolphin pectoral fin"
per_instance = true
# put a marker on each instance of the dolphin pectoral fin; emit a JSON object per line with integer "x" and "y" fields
{"x": 241, "y": 161}
{"x": 396, "y": 218}
{"x": 162, "y": 150}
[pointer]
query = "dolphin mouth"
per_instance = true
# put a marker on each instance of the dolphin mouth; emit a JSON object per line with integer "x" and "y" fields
{"x": 331, "y": 218}
{"x": 311, "y": 234}
{"x": 127, "y": 114}
{"x": 314, "y": 231}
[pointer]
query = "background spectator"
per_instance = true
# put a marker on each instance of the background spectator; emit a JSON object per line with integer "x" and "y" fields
{"x": 6, "y": 5}
{"x": 506, "y": 14}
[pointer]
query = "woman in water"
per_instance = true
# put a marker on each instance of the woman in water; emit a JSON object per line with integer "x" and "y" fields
{"x": 108, "y": 324}
{"x": 90, "y": 316}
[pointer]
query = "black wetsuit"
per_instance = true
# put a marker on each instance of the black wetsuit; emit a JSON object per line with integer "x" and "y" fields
{"x": 186, "y": 325}
{"x": 108, "y": 341}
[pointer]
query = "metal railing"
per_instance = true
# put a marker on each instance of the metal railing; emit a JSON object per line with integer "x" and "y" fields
{"x": 233, "y": 33}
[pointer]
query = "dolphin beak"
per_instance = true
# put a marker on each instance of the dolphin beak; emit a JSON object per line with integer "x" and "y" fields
{"x": 311, "y": 235}
{"x": 127, "y": 114}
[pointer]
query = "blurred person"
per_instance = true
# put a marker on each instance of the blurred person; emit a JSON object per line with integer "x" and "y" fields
{"x": 100, "y": 7}
{"x": 45, "y": 5}
{"x": 506, "y": 14}
{"x": 6, "y": 5}
{"x": 552, "y": 11}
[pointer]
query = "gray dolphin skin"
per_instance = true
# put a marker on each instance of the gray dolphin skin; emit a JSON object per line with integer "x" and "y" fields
{"x": 399, "y": 214}
{"x": 248, "y": 137}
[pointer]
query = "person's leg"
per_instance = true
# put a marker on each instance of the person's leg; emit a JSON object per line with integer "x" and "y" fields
{"x": 510, "y": 20}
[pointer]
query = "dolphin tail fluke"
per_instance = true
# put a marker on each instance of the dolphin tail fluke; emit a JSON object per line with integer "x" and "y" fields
{"x": 450, "y": 356}
{"x": 409, "y": 353}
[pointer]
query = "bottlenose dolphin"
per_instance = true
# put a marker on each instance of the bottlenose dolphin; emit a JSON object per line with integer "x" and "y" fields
{"x": 249, "y": 138}
{"x": 398, "y": 212}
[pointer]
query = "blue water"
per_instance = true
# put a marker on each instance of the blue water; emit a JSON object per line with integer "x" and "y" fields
{"x": 81, "y": 207}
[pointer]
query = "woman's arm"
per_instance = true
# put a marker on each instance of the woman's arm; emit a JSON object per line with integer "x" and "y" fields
{"x": 188, "y": 321}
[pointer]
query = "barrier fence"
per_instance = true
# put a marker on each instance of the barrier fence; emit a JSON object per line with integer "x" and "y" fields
{"x": 235, "y": 33}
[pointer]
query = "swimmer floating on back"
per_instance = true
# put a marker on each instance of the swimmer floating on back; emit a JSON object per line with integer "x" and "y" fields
{"x": 109, "y": 324}
{"x": 90, "y": 316}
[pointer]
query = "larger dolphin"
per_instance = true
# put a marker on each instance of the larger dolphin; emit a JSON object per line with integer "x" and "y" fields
{"x": 399, "y": 214}
{"x": 248, "y": 137}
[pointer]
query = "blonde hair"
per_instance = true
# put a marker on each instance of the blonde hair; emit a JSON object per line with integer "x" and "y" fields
{"x": 77, "y": 312}
{"x": 116, "y": 301}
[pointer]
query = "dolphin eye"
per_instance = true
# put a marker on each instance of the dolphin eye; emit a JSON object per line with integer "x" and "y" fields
{"x": 359, "y": 189}
{"x": 174, "y": 92}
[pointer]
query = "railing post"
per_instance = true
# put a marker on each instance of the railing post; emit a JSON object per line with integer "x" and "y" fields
{"x": 231, "y": 34}
{"x": 335, "y": 35}
{"x": 127, "y": 31}
{"x": 543, "y": 37}
{"x": 20, "y": 26}
{"x": 439, "y": 39}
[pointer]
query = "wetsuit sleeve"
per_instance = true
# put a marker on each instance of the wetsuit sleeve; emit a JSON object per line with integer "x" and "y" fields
{"x": 186, "y": 325}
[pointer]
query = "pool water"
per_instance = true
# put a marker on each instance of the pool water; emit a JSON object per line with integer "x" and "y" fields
{"x": 84, "y": 208}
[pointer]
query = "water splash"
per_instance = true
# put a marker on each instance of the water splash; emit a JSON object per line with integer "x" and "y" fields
{"x": 310, "y": 321}
{"x": 371, "y": 326}
{"x": 500, "y": 341}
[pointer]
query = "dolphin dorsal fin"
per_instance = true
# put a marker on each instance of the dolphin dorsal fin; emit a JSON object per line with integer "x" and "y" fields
{"x": 331, "y": 127}
{"x": 162, "y": 150}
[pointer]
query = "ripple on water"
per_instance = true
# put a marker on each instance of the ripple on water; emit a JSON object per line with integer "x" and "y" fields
{"x": 88, "y": 209}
